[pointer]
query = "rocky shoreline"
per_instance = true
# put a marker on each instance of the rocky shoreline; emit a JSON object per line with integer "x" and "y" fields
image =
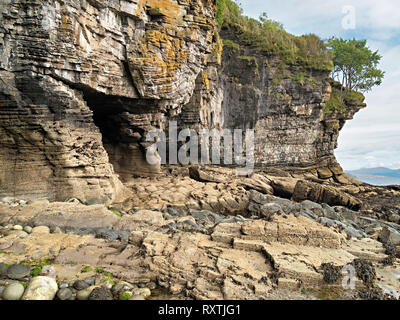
{"x": 268, "y": 247}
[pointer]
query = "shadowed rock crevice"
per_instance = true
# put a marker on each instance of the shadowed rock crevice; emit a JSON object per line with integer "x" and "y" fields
{"x": 123, "y": 124}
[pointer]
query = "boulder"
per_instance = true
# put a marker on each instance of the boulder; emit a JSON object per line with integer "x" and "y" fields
{"x": 389, "y": 236}
{"x": 41, "y": 288}
{"x": 306, "y": 190}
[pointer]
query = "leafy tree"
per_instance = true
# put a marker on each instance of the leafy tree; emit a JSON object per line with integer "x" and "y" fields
{"x": 355, "y": 65}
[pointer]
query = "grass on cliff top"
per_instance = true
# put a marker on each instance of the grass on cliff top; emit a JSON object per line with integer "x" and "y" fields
{"x": 342, "y": 98}
{"x": 307, "y": 51}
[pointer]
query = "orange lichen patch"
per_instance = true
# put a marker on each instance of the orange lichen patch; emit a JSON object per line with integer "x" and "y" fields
{"x": 140, "y": 7}
{"x": 205, "y": 79}
{"x": 161, "y": 56}
{"x": 66, "y": 20}
{"x": 168, "y": 8}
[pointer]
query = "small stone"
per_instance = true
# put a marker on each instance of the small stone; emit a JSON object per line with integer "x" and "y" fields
{"x": 90, "y": 281}
{"x": 137, "y": 297}
{"x": 28, "y": 229}
{"x": 18, "y": 271}
{"x": 352, "y": 232}
{"x": 3, "y": 269}
{"x": 93, "y": 201}
{"x": 57, "y": 230}
{"x": 80, "y": 285}
{"x": 13, "y": 291}
{"x": 41, "y": 229}
{"x": 84, "y": 294}
{"x": 151, "y": 285}
{"x": 121, "y": 287}
{"x": 64, "y": 294}
{"x": 101, "y": 293}
{"x": 20, "y": 234}
{"x": 389, "y": 236}
{"x": 268, "y": 210}
{"x": 64, "y": 285}
{"x": 145, "y": 292}
{"x": 18, "y": 227}
{"x": 395, "y": 218}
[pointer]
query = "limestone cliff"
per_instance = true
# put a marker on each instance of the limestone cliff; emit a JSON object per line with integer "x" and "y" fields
{"x": 285, "y": 104}
{"x": 73, "y": 72}
{"x": 82, "y": 81}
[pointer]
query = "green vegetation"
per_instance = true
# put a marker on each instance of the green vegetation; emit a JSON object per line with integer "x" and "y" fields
{"x": 36, "y": 271}
{"x": 307, "y": 51}
{"x": 251, "y": 61}
{"x": 37, "y": 265}
{"x": 351, "y": 62}
{"x": 300, "y": 78}
{"x": 355, "y": 65}
{"x": 125, "y": 295}
{"x": 8, "y": 253}
{"x": 340, "y": 99}
{"x": 86, "y": 269}
{"x": 353, "y": 97}
{"x": 231, "y": 44}
{"x": 107, "y": 275}
{"x": 221, "y": 5}
{"x": 116, "y": 212}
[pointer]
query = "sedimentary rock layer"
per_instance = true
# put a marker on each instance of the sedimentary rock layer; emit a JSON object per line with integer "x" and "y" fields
{"x": 73, "y": 72}
{"x": 83, "y": 81}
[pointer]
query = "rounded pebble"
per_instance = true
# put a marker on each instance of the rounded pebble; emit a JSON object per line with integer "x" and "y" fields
{"x": 57, "y": 230}
{"x": 18, "y": 271}
{"x": 90, "y": 281}
{"x": 101, "y": 293}
{"x": 80, "y": 285}
{"x": 64, "y": 294}
{"x": 18, "y": 227}
{"x": 145, "y": 292}
{"x": 13, "y": 291}
{"x": 84, "y": 294}
{"x": 41, "y": 229}
{"x": 28, "y": 229}
{"x": 3, "y": 269}
{"x": 18, "y": 233}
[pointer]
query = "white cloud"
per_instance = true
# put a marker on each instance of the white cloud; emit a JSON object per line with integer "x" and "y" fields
{"x": 325, "y": 17}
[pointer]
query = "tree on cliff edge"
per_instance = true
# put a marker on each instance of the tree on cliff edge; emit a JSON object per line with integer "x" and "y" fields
{"x": 355, "y": 65}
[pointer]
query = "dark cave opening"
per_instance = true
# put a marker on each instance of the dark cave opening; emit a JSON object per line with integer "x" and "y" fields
{"x": 119, "y": 121}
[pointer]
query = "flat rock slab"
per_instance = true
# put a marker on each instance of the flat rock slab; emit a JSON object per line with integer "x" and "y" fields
{"x": 283, "y": 229}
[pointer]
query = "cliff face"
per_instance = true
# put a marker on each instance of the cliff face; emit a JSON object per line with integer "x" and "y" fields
{"x": 285, "y": 104}
{"x": 82, "y": 81}
{"x": 78, "y": 78}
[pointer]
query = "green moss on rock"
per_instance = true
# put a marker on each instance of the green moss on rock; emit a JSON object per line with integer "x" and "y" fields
{"x": 307, "y": 51}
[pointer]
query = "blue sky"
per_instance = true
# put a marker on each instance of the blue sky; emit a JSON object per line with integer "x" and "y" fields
{"x": 373, "y": 137}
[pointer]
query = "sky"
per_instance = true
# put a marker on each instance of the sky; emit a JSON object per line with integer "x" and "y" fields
{"x": 372, "y": 138}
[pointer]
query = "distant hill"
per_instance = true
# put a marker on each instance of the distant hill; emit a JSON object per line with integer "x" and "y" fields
{"x": 376, "y": 176}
